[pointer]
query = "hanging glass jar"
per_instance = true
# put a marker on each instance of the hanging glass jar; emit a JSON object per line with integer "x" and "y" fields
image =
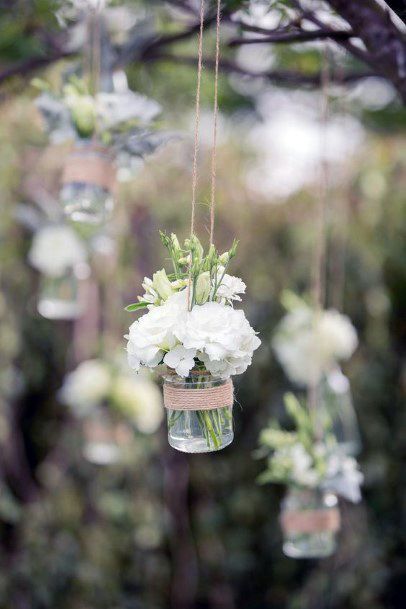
{"x": 310, "y": 519}
{"x": 337, "y": 406}
{"x": 105, "y": 437}
{"x": 200, "y": 412}
{"x": 59, "y": 296}
{"x": 88, "y": 181}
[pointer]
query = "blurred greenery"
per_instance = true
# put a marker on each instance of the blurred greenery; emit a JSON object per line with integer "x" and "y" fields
{"x": 162, "y": 529}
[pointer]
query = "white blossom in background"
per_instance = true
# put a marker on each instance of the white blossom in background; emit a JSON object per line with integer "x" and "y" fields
{"x": 116, "y": 108}
{"x": 139, "y": 398}
{"x": 344, "y": 477}
{"x": 55, "y": 250}
{"x": 309, "y": 344}
{"x": 86, "y": 386}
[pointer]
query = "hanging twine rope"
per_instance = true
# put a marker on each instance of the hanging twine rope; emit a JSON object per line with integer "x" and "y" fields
{"x": 215, "y": 120}
{"x": 319, "y": 261}
{"x": 197, "y": 129}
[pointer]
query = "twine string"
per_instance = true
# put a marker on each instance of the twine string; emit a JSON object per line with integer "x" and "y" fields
{"x": 319, "y": 259}
{"x": 196, "y": 141}
{"x": 215, "y": 120}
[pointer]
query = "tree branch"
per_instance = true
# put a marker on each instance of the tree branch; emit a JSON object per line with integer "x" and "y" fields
{"x": 292, "y": 37}
{"x": 288, "y": 78}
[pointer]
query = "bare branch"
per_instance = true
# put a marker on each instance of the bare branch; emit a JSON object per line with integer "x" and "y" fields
{"x": 292, "y": 37}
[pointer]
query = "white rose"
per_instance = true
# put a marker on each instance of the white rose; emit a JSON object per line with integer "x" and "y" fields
{"x": 88, "y": 385}
{"x": 344, "y": 477}
{"x": 116, "y": 108}
{"x": 55, "y": 249}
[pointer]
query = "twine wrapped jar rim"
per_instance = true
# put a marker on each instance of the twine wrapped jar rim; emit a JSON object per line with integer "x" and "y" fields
{"x": 311, "y": 521}
{"x": 198, "y": 395}
{"x": 90, "y": 163}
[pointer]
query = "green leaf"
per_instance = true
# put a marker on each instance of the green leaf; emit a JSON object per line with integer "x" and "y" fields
{"x": 135, "y": 306}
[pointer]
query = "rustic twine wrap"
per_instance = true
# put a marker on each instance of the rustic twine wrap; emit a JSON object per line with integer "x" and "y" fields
{"x": 90, "y": 165}
{"x": 311, "y": 521}
{"x": 209, "y": 398}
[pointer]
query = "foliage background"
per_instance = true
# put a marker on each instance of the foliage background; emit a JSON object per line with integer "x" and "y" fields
{"x": 164, "y": 529}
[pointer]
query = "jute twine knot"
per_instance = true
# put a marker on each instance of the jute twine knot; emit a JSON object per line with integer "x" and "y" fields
{"x": 206, "y": 398}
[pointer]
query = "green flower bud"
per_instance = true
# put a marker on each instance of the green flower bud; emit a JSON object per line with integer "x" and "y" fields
{"x": 83, "y": 113}
{"x": 224, "y": 258}
{"x": 202, "y": 288}
{"x": 161, "y": 284}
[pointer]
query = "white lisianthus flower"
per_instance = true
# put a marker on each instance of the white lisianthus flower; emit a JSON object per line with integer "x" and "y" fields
{"x": 153, "y": 334}
{"x": 140, "y": 399}
{"x": 55, "y": 249}
{"x": 86, "y": 386}
{"x": 230, "y": 288}
{"x": 180, "y": 359}
{"x": 309, "y": 344}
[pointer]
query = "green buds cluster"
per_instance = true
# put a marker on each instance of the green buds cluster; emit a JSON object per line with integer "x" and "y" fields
{"x": 205, "y": 271}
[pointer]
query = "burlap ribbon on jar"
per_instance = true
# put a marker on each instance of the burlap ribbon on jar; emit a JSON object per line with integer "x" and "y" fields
{"x": 90, "y": 165}
{"x": 207, "y": 398}
{"x": 311, "y": 521}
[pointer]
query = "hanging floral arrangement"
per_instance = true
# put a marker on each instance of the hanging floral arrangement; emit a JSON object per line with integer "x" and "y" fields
{"x": 192, "y": 327}
{"x": 310, "y": 463}
{"x": 60, "y": 255}
{"x": 109, "y": 403}
{"x": 111, "y": 132}
{"x": 310, "y": 344}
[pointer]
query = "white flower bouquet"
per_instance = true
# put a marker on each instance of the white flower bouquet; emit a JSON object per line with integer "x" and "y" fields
{"x": 315, "y": 471}
{"x": 192, "y": 327}
{"x": 57, "y": 252}
{"x": 104, "y": 397}
{"x": 110, "y": 131}
{"x": 309, "y": 344}
{"x": 301, "y": 459}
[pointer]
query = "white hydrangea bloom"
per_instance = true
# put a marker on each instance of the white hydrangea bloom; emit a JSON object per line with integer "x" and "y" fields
{"x": 55, "y": 249}
{"x": 309, "y": 344}
{"x": 85, "y": 387}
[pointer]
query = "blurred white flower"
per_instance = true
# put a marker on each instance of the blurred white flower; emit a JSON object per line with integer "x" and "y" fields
{"x": 55, "y": 249}
{"x": 309, "y": 344}
{"x": 343, "y": 477}
{"x": 140, "y": 399}
{"x": 87, "y": 386}
{"x": 116, "y": 108}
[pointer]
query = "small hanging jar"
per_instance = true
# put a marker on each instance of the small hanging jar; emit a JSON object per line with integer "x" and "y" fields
{"x": 59, "y": 296}
{"x": 200, "y": 412}
{"x": 310, "y": 519}
{"x": 337, "y": 405}
{"x": 105, "y": 438}
{"x": 88, "y": 181}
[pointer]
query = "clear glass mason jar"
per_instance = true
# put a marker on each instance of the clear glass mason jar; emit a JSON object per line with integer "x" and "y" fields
{"x": 105, "y": 438}
{"x": 87, "y": 183}
{"x": 310, "y": 519}
{"x": 337, "y": 406}
{"x": 199, "y": 431}
{"x": 59, "y": 297}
